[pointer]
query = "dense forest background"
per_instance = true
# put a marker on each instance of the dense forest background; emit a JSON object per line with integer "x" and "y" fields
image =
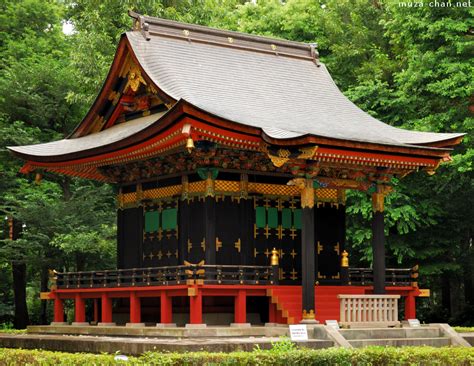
{"x": 410, "y": 67}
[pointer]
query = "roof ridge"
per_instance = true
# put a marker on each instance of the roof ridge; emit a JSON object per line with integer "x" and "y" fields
{"x": 149, "y": 26}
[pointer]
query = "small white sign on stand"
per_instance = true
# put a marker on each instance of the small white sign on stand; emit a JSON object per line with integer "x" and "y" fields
{"x": 414, "y": 323}
{"x": 333, "y": 324}
{"x": 298, "y": 332}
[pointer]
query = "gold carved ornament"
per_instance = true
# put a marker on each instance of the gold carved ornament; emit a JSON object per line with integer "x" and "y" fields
{"x": 345, "y": 259}
{"x": 281, "y": 158}
{"x": 274, "y": 258}
{"x": 308, "y": 315}
{"x": 135, "y": 78}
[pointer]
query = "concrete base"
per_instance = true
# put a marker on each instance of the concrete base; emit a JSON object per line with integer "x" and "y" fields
{"x": 275, "y": 325}
{"x": 196, "y": 326}
{"x": 240, "y": 325}
{"x": 135, "y": 325}
{"x": 101, "y": 324}
{"x": 59, "y": 323}
{"x": 309, "y": 321}
{"x": 166, "y": 325}
{"x": 80, "y": 324}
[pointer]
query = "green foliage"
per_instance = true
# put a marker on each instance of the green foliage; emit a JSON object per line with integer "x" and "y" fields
{"x": 334, "y": 356}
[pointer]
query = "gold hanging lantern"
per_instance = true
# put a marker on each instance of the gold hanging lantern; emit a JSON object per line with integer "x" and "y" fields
{"x": 189, "y": 144}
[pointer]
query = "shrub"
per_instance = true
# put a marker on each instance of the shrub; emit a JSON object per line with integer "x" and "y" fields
{"x": 375, "y": 356}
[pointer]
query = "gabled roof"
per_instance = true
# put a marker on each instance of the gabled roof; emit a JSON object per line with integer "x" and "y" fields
{"x": 286, "y": 93}
{"x": 271, "y": 88}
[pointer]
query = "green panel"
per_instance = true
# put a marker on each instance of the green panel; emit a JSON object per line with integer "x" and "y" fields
{"x": 152, "y": 221}
{"x": 286, "y": 218}
{"x": 272, "y": 217}
{"x": 170, "y": 218}
{"x": 297, "y": 218}
{"x": 260, "y": 217}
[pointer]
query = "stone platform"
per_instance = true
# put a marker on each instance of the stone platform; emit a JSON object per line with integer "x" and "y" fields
{"x": 137, "y": 340}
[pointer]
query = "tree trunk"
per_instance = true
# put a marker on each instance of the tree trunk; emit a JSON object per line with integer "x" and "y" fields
{"x": 446, "y": 292}
{"x": 44, "y": 288}
{"x": 21, "y": 319}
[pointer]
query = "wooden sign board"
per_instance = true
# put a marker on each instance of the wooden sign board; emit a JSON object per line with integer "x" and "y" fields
{"x": 424, "y": 292}
{"x": 298, "y": 332}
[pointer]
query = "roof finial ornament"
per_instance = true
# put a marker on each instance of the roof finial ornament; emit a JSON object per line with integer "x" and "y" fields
{"x": 139, "y": 24}
{"x": 315, "y": 53}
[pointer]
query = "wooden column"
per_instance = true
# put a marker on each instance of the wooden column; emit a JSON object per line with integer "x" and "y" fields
{"x": 106, "y": 309}
{"x": 58, "y": 310}
{"x": 184, "y": 217}
{"x": 247, "y": 243}
{"x": 135, "y": 308}
{"x": 378, "y": 240}
{"x": 240, "y": 307}
{"x": 79, "y": 309}
{"x": 307, "y": 249}
{"x": 166, "y": 308}
{"x": 96, "y": 310}
{"x": 210, "y": 221}
{"x": 410, "y": 306}
{"x": 195, "y": 306}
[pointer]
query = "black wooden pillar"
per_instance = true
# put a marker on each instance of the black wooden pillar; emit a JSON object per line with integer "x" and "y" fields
{"x": 184, "y": 217}
{"x": 210, "y": 222}
{"x": 308, "y": 267}
{"x": 378, "y": 241}
{"x": 247, "y": 243}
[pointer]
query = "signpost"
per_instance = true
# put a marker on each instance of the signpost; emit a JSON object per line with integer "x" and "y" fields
{"x": 298, "y": 332}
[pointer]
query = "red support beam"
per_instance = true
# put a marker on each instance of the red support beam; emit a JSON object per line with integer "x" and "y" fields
{"x": 135, "y": 308}
{"x": 240, "y": 307}
{"x": 195, "y": 308}
{"x": 272, "y": 310}
{"x": 106, "y": 309}
{"x": 166, "y": 308}
{"x": 58, "y": 310}
{"x": 410, "y": 306}
{"x": 80, "y": 309}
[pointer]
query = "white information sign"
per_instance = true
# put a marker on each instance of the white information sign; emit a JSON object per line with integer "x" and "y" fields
{"x": 414, "y": 323}
{"x": 332, "y": 323}
{"x": 298, "y": 332}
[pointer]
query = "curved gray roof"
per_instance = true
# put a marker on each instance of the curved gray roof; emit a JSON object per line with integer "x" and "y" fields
{"x": 285, "y": 96}
{"x": 103, "y": 138}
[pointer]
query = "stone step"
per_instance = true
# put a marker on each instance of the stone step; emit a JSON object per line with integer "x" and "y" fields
{"x": 385, "y": 333}
{"x": 399, "y": 342}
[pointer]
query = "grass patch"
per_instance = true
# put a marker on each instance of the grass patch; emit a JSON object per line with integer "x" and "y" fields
{"x": 280, "y": 356}
{"x": 464, "y": 329}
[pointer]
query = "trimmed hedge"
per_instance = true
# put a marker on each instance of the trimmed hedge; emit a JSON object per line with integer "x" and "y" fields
{"x": 373, "y": 356}
{"x": 464, "y": 329}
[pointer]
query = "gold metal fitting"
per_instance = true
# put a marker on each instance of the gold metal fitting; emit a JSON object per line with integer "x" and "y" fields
{"x": 274, "y": 259}
{"x": 189, "y": 144}
{"x": 345, "y": 259}
{"x": 308, "y": 315}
